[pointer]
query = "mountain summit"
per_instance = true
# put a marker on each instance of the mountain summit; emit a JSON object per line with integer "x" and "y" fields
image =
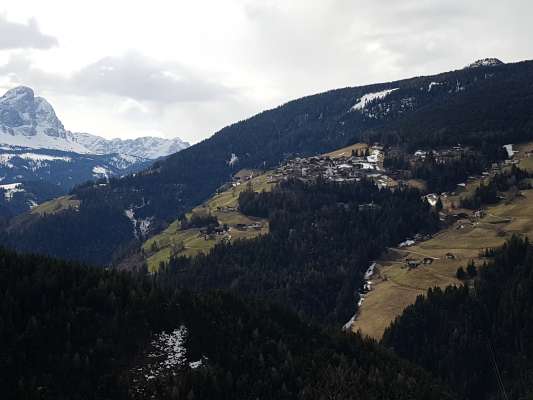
{"x": 30, "y": 121}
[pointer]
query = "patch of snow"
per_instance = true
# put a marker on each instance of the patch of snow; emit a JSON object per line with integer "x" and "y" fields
{"x": 407, "y": 243}
{"x": 370, "y": 271}
{"x": 509, "y": 149}
{"x": 369, "y": 97}
{"x": 233, "y": 160}
{"x": 432, "y": 84}
{"x": 432, "y": 199}
{"x": 170, "y": 347}
{"x": 10, "y": 189}
{"x": 144, "y": 225}
{"x": 198, "y": 364}
{"x": 42, "y": 157}
{"x": 100, "y": 172}
{"x": 18, "y": 137}
{"x": 367, "y": 285}
{"x": 167, "y": 354}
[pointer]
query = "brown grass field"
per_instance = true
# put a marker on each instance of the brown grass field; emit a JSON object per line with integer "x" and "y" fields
{"x": 346, "y": 151}
{"x": 395, "y": 286}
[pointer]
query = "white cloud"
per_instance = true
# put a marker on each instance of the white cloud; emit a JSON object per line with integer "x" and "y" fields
{"x": 14, "y": 35}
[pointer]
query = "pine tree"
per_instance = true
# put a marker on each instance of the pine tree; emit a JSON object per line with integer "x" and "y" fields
{"x": 460, "y": 274}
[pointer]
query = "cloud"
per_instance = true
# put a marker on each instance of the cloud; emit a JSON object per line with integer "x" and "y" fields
{"x": 141, "y": 78}
{"x": 130, "y": 76}
{"x": 147, "y": 95}
{"x": 15, "y": 35}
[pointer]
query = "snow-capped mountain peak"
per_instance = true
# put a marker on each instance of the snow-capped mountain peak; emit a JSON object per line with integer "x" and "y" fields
{"x": 20, "y": 98}
{"x": 31, "y": 122}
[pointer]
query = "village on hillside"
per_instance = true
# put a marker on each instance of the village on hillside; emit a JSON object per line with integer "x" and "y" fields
{"x": 351, "y": 164}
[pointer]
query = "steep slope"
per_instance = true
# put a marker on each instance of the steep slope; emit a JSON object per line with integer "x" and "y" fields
{"x": 80, "y": 333}
{"x": 484, "y": 106}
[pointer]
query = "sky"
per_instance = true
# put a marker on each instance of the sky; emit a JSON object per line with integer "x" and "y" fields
{"x": 188, "y": 68}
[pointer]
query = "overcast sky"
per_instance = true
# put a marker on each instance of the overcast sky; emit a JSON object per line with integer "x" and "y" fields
{"x": 188, "y": 68}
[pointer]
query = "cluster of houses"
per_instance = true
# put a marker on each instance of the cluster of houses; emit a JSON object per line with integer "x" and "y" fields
{"x": 345, "y": 168}
{"x": 441, "y": 155}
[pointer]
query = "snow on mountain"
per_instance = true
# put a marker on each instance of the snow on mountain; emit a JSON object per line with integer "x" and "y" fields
{"x": 369, "y": 97}
{"x": 485, "y": 62}
{"x": 145, "y": 147}
{"x": 31, "y": 122}
{"x": 11, "y": 188}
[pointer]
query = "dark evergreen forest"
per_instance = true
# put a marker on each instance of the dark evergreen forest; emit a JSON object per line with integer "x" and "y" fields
{"x": 74, "y": 332}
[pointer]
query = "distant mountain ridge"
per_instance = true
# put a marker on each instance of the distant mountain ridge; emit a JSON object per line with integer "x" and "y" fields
{"x": 147, "y": 147}
{"x": 31, "y": 122}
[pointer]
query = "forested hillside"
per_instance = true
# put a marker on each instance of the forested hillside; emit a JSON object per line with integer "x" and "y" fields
{"x": 323, "y": 237}
{"x": 478, "y": 337}
{"x": 475, "y": 106}
{"x": 73, "y": 332}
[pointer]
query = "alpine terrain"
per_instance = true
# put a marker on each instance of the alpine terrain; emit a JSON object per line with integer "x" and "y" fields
{"x": 35, "y": 147}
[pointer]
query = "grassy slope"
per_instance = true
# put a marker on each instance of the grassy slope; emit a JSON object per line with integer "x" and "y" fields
{"x": 395, "y": 287}
{"x": 194, "y": 242}
{"x": 56, "y": 205}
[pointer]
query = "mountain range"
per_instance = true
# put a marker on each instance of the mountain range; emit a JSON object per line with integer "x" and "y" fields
{"x": 31, "y": 122}
{"x": 36, "y": 147}
{"x": 486, "y": 104}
